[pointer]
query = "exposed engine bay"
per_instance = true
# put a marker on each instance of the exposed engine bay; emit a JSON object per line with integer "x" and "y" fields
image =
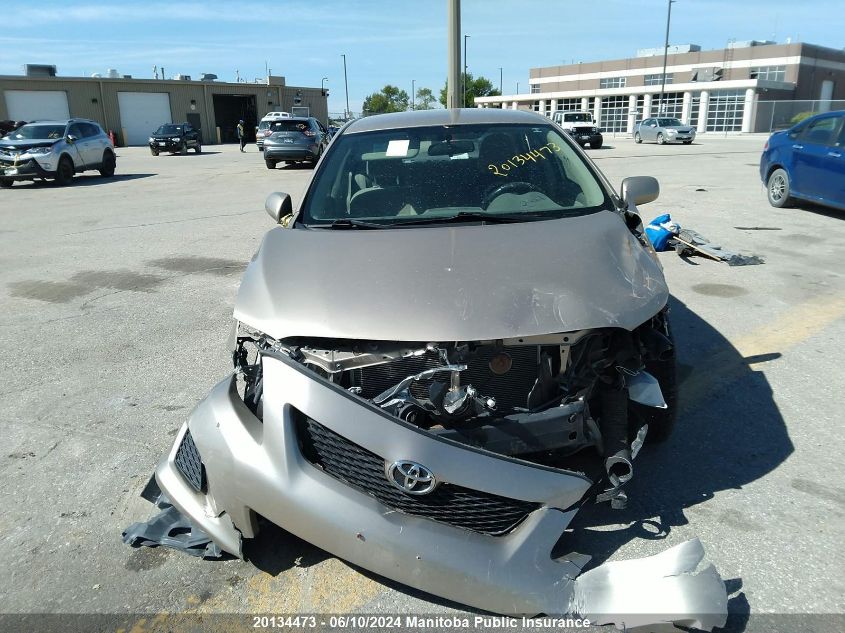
{"x": 545, "y": 399}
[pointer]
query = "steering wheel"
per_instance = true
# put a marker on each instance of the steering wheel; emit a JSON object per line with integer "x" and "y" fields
{"x": 519, "y": 186}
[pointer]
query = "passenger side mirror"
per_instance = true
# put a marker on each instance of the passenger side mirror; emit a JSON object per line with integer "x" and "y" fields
{"x": 638, "y": 190}
{"x": 278, "y": 205}
{"x": 71, "y": 138}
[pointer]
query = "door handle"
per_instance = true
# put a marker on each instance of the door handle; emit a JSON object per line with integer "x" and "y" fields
{"x": 835, "y": 154}
{"x": 797, "y": 147}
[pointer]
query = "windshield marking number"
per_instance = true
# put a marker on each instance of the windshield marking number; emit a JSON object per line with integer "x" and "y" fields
{"x": 520, "y": 159}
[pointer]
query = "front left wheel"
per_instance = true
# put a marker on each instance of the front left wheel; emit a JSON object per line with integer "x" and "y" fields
{"x": 595, "y": 145}
{"x": 5, "y": 183}
{"x": 661, "y": 140}
{"x": 198, "y": 149}
{"x": 108, "y": 165}
{"x": 271, "y": 164}
{"x": 638, "y": 138}
{"x": 64, "y": 171}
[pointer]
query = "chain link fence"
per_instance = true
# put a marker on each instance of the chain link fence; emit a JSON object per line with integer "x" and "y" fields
{"x": 779, "y": 115}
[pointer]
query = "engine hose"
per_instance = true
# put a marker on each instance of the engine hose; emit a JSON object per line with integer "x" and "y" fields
{"x": 613, "y": 425}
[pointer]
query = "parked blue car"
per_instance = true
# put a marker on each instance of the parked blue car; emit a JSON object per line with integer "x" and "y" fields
{"x": 807, "y": 162}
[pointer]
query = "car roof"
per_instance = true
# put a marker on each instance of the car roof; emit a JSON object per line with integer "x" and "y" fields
{"x": 453, "y": 116}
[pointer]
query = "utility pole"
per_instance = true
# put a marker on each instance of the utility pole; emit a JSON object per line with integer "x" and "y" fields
{"x": 454, "y": 69}
{"x": 346, "y": 86}
{"x": 501, "y": 92}
{"x": 660, "y": 104}
{"x": 464, "y": 104}
{"x": 413, "y": 97}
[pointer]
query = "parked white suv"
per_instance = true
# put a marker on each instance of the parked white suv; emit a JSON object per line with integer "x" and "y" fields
{"x": 581, "y": 126}
{"x": 55, "y": 150}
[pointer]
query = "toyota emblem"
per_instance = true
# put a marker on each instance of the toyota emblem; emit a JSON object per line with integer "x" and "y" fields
{"x": 411, "y": 477}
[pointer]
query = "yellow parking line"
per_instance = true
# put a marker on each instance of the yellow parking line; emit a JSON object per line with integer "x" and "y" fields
{"x": 795, "y": 326}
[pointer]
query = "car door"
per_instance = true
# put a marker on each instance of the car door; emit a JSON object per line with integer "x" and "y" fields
{"x": 96, "y": 143}
{"x": 647, "y": 131}
{"x": 833, "y": 169}
{"x": 812, "y": 151}
{"x": 76, "y": 146}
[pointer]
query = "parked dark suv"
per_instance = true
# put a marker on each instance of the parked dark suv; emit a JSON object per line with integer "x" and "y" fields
{"x": 295, "y": 140}
{"x": 175, "y": 138}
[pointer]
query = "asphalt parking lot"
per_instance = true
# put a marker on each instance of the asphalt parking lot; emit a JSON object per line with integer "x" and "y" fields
{"x": 116, "y": 301}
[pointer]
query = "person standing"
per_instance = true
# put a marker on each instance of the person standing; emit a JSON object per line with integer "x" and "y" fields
{"x": 241, "y": 134}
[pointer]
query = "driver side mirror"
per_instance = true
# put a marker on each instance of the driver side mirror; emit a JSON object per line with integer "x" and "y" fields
{"x": 638, "y": 190}
{"x": 278, "y": 205}
{"x": 71, "y": 138}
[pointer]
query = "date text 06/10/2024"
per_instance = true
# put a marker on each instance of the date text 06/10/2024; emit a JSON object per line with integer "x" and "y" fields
{"x": 413, "y": 622}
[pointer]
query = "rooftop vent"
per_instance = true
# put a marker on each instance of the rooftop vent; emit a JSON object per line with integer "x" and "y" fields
{"x": 40, "y": 70}
{"x": 749, "y": 43}
{"x": 112, "y": 74}
{"x": 208, "y": 77}
{"x": 182, "y": 78}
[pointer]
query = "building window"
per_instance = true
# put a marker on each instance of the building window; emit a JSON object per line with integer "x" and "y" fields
{"x": 536, "y": 106}
{"x": 641, "y": 114}
{"x": 569, "y": 105}
{"x": 614, "y": 114}
{"x": 535, "y": 88}
{"x": 724, "y": 112}
{"x": 768, "y": 73}
{"x": 671, "y": 106}
{"x": 655, "y": 80}
{"x": 612, "y": 82}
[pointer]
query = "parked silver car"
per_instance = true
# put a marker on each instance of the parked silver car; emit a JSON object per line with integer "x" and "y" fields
{"x": 663, "y": 130}
{"x": 55, "y": 150}
{"x": 458, "y": 338}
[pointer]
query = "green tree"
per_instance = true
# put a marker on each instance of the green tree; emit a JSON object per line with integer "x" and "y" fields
{"x": 390, "y": 99}
{"x": 480, "y": 87}
{"x": 425, "y": 99}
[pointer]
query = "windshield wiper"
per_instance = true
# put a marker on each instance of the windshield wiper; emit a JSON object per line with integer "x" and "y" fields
{"x": 469, "y": 216}
{"x": 348, "y": 223}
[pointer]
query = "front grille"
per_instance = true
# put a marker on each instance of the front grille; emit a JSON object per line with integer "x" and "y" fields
{"x": 190, "y": 464}
{"x": 455, "y": 505}
{"x": 510, "y": 389}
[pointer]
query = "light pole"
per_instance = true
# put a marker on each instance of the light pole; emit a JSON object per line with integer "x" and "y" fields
{"x": 413, "y": 98}
{"x": 517, "y": 87}
{"x": 453, "y": 8}
{"x": 500, "y": 81}
{"x": 346, "y": 86}
{"x": 660, "y": 105}
{"x": 465, "y": 72}
{"x": 322, "y": 86}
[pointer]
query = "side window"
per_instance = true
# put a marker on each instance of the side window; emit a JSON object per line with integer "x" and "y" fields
{"x": 76, "y": 130}
{"x": 89, "y": 129}
{"x": 822, "y": 132}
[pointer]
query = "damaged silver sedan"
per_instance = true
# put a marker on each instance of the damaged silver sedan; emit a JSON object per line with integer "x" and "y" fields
{"x": 458, "y": 339}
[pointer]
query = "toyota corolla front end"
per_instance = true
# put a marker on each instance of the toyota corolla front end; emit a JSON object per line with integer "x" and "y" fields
{"x": 459, "y": 338}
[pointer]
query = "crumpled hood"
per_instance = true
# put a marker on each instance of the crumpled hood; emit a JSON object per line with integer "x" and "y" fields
{"x": 6, "y": 145}
{"x": 451, "y": 283}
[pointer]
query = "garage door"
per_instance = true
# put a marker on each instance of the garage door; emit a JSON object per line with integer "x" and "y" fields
{"x": 32, "y": 105}
{"x": 141, "y": 113}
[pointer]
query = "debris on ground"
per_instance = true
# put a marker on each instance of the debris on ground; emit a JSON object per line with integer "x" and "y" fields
{"x": 665, "y": 234}
{"x": 170, "y": 528}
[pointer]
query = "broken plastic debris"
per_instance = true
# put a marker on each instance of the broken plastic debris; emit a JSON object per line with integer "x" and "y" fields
{"x": 665, "y": 588}
{"x": 171, "y": 528}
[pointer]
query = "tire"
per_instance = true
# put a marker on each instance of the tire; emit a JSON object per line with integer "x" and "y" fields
{"x": 777, "y": 189}
{"x": 638, "y": 138}
{"x": 271, "y": 164}
{"x": 660, "y": 139}
{"x": 6, "y": 183}
{"x": 108, "y": 165}
{"x": 198, "y": 149}
{"x": 687, "y": 142}
{"x": 154, "y": 152}
{"x": 64, "y": 171}
{"x": 595, "y": 145}
{"x": 184, "y": 149}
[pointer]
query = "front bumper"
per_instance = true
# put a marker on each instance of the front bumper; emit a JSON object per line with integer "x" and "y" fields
{"x": 290, "y": 152}
{"x": 24, "y": 170}
{"x": 680, "y": 138}
{"x": 252, "y": 467}
{"x": 584, "y": 138}
{"x": 166, "y": 146}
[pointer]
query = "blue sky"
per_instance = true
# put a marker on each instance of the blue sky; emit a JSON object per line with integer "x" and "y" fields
{"x": 384, "y": 41}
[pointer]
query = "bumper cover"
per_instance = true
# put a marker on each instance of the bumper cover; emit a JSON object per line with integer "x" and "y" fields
{"x": 254, "y": 467}
{"x": 26, "y": 170}
{"x": 292, "y": 152}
